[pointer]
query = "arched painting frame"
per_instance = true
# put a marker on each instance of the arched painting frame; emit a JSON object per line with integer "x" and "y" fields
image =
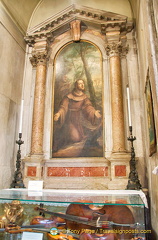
{"x": 78, "y": 60}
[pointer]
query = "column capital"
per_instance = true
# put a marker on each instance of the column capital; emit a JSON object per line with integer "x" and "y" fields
{"x": 39, "y": 52}
{"x": 116, "y": 49}
{"x": 39, "y": 59}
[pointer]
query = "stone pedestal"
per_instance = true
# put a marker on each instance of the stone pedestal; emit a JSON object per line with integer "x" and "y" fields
{"x": 119, "y": 170}
{"x": 34, "y": 167}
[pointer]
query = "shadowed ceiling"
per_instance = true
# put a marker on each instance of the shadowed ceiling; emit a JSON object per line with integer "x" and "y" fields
{"x": 20, "y": 11}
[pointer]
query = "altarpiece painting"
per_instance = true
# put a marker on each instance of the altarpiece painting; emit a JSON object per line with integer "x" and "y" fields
{"x": 150, "y": 115}
{"x": 78, "y": 110}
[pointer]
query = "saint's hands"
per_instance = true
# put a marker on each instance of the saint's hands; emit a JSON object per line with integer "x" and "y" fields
{"x": 56, "y": 117}
{"x": 97, "y": 114}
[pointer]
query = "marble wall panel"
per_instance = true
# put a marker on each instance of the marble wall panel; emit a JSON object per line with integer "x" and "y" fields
{"x": 76, "y": 182}
{"x": 4, "y": 106}
{"x": 77, "y": 172}
{"x": 5, "y": 177}
{"x": 12, "y": 57}
{"x": 8, "y": 117}
{"x": 12, "y": 65}
{"x": 10, "y": 25}
{"x": 120, "y": 170}
{"x": 28, "y": 96}
{"x": 31, "y": 171}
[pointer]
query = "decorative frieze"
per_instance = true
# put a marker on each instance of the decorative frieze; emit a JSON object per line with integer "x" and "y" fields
{"x": 77, "y": 172}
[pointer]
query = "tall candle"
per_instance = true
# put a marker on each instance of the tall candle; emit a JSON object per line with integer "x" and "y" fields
{"x": 21, "y": 116}
{"x": 129, "y": 109}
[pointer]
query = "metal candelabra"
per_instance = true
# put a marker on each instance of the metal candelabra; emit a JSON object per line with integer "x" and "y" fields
{"x": 133, "y": 180}
{"x": 18, "y": 181}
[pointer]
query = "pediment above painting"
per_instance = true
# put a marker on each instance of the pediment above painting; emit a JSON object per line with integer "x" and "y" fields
{"x": 100, "y": 20}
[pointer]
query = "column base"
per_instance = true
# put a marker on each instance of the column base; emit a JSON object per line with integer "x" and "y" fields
{"x": 120, "y": 169}
{"x": 33, "y": 168}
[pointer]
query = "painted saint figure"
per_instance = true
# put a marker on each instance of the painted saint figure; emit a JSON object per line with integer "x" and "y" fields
{"x": 72, "y": 107}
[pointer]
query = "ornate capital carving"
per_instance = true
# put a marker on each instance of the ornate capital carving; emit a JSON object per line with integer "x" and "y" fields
{"x": 39, "y": 58}
{"x": 39, "y": 53}
{"x": 116, "y": 49}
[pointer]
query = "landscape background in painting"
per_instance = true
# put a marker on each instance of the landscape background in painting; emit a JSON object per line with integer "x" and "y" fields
{"x": 80, "y": 60}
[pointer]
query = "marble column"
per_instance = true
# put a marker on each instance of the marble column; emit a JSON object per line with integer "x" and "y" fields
{"x": 119, "y": 158}
{"x": 39, "y": 60}
{"x": 118, "y": 131}
{"x": 34, "y": 163}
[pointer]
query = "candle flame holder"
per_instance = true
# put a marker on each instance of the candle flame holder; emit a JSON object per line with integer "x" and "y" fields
{"x": 18, "y": 180}
{"x": 133, "y": 180}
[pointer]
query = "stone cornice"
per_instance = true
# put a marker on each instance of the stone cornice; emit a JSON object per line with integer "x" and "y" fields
{"x": 79, "y": 12}
{"x": 59, "y": 23}
{"x": 123, "y": 26}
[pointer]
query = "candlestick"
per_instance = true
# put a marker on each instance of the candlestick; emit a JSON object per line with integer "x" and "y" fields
{"x": 21, "y": 116}
{"x": 129, "y": 108}
{"x": 18, "y": 181}
{"x": 133, "y": 179}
